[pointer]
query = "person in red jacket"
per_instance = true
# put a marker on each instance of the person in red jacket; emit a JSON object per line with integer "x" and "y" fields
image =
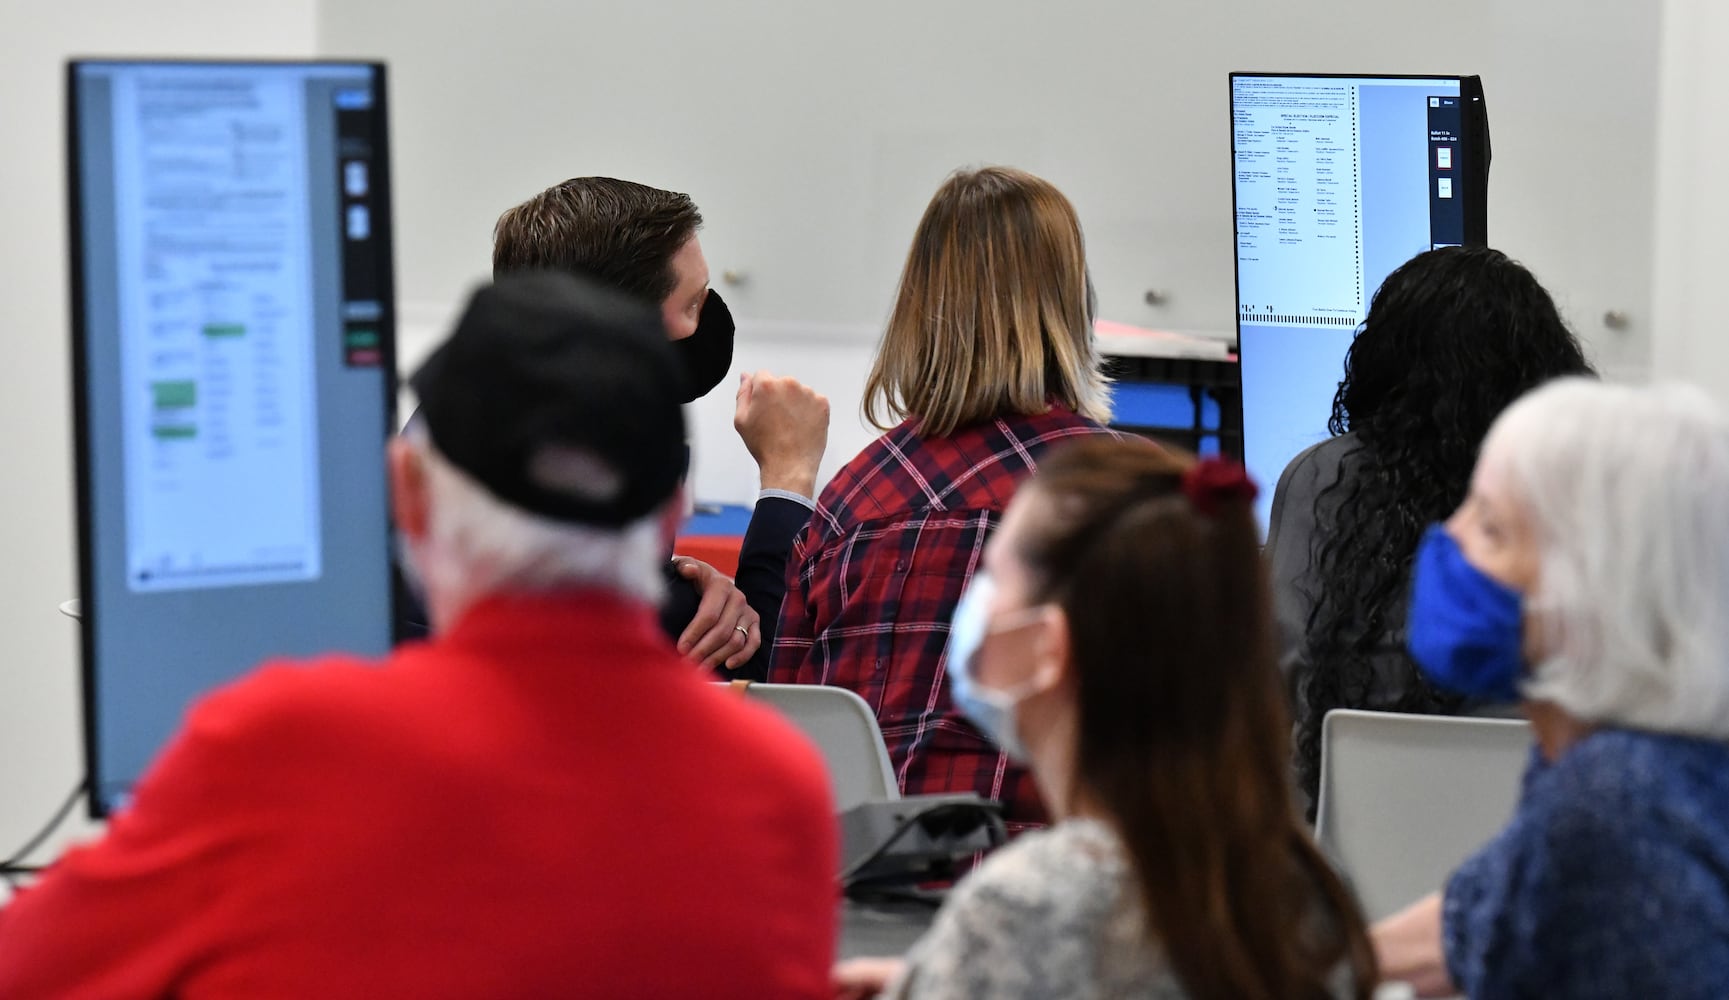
{"x": 544, "y": 799}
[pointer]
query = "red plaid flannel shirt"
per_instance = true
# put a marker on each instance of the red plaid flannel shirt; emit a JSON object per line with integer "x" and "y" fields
{"x": 875, "y": 578}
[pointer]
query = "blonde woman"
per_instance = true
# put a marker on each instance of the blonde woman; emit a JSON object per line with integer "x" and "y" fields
{"x": 988, "y": 359}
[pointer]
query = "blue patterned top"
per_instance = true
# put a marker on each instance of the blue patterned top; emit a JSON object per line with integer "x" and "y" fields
{"x": 1611, "y": 881}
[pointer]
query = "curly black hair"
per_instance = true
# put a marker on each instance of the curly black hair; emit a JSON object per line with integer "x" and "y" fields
{"x": 1453, "y": 336}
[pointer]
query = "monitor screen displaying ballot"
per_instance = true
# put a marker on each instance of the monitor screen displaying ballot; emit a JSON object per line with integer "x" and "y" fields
{"x": 1337, "y": 181}
{"x": 234, "y": 382}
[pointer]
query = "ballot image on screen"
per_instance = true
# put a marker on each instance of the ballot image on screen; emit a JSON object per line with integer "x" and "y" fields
{"x": 233, "y": 384}
{"x": 1337, "y": 181}
{"x": 213, "y": 254}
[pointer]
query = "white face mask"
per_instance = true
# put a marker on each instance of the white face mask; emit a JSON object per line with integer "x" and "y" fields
{"x": 991, "y": 710}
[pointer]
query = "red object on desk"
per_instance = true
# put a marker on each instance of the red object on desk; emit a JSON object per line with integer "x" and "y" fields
{"x": 719, "y": 551}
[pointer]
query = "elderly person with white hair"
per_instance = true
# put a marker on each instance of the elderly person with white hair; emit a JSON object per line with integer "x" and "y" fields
{"x": 1588, "y": 573}
{"x": 543, "y": 800}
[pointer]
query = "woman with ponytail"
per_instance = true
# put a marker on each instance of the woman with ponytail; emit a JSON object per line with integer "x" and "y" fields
{"x": 1118, "y": 640}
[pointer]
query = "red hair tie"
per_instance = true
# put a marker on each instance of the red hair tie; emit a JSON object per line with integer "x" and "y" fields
{"x": 1213, "y": 481}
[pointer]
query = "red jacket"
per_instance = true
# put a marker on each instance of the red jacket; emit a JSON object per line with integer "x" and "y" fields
{"x": 546, "y": 802}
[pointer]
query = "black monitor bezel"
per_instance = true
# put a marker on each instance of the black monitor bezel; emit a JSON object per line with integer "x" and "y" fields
{"x": 383, "y": 228}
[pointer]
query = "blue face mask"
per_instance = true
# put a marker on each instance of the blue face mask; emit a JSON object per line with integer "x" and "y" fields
{"x": 992, "y": 711}
{"x": 1465, "y": 628}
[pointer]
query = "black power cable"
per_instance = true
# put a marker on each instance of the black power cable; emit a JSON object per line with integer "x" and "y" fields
{"x": 14, "y": 865}
{"x": 983, "y": 815}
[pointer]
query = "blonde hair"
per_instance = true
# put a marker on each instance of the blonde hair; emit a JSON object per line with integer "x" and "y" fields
{"x": 1627, "y": 487}
{"x": 993, "y": 314}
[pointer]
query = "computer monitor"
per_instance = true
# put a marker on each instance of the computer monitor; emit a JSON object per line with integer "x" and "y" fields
{"x": 1337, "y": 180}
{"x": 233, "y": 381}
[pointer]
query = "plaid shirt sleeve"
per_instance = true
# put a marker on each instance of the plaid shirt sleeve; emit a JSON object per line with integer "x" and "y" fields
{"x": 875, "y": 579}
{"x": 795, "y": 632}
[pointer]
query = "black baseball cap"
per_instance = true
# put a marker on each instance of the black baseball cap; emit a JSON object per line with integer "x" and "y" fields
{"x": 561, "y": 397}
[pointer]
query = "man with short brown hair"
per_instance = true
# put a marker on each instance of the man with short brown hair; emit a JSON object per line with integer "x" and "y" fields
{"x": 638, "y": 239}
{"x": 643, "y": 241}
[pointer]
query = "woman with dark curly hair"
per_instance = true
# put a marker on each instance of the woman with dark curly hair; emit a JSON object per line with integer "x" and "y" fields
{"x": 1452, "y": 338}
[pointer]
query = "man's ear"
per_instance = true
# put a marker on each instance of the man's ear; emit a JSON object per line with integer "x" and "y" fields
{"x": 409, "y": 504}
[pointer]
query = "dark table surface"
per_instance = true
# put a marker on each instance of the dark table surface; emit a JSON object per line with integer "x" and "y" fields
{"x": 882, "y": 929}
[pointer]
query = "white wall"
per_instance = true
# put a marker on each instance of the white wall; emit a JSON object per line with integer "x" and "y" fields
{"x": 40, "y": 754}
{"x": 831, "y": 358}
{"x": 1692, "y": 214}
{"x": 1572, "y": 94}
{"x": 812, "y": 133}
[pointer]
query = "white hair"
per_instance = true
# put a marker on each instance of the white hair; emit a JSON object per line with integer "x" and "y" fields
{"x": 477, "y": 545}
{"x": 1628, "y": 489}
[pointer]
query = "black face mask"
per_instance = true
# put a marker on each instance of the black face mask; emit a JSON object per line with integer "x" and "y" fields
{"x": 707, "y": 353}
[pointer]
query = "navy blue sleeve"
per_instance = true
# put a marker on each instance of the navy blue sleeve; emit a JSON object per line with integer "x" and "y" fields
{"x": 762, "y": 559}
{"x": 1582, "y": 896}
